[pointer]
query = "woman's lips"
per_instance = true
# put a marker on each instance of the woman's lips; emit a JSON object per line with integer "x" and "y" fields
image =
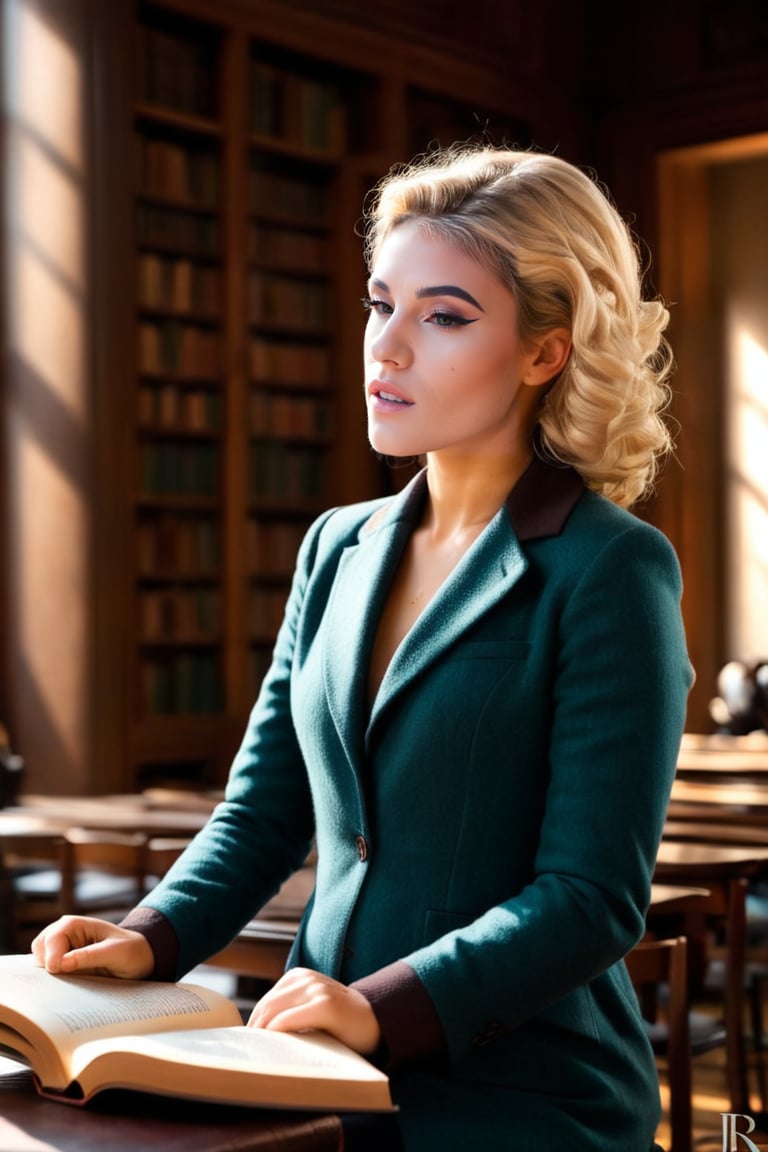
{"x": 389, "y": 395}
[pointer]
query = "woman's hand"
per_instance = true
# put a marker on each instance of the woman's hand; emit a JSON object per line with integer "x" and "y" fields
{"x": 303, "y": 999}
{"x": 84, "y": 944}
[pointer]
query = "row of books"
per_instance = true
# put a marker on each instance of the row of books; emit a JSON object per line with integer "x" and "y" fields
{"x": 298, "y": 417}
{"x": 288, "y": 198}
{"x": 171, "y": 170}
{"x": 174, "y": 406}
{"x": 178, "y": 284}
{"x": 282, "y": 474}
{"x": 179, "y": 72}
{"x": 286, "y": 301}
{"x": 174, "y": 230}
{"x": 170, "y": 468}
{"x": 287, "y": 248}
{"x": 271, "y": 546}
{"x": 181, "y": 545}
{"x": 296, "y": 109}
{"x": 287, "y": 362}
{"x": 175, "y": 682}
{"x": 264, "y": 612}
{"x": 170, "y": 348}
{"x": 179, "y": 614}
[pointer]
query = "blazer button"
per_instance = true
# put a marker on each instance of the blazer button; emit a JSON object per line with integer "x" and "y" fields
{"x": 362, "y": 848}
{"x": 492, "y": 1030}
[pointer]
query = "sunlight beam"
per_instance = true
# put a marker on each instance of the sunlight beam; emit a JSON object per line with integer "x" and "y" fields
{"x": 47, "y": 378}
{"x": 747, "y": 494}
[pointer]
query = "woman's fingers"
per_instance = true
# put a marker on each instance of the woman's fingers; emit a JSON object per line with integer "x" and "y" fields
{"x": 85, "y": 944}
{"x": 304, "y": 999}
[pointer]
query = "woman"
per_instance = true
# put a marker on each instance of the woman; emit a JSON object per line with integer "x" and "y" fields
{"x": 478, "y": 691}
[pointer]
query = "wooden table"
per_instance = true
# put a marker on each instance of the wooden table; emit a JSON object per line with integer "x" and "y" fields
{"x": 30, "y": 834}
{"x": 695, "y": 762}
{"x": 127, "y": 1121}
{"x": 716, "y": 801}
{"x": 676, "y": 899}
{"x": 262, "y": 948}
{"x": 736, "y": 833}
{"x": 744, "y": 756}
{"x": 133, "y": 812}
{"x": 683, "y": 862}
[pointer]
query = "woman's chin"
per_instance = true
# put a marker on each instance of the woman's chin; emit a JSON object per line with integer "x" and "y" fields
{"x": 387, "y": 442}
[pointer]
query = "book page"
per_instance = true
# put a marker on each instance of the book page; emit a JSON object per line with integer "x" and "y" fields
{"x": 237, "y": 1065}
{"x": 69, "y": 1010}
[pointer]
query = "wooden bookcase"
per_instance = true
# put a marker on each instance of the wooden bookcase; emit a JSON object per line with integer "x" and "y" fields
{"x": 254, "y": 141}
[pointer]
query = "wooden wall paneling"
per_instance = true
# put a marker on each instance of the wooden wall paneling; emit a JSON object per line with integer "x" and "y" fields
{"x": 697, "y": 493}
{"x": 113, "y": 347}
{"x": 708, "y": 114}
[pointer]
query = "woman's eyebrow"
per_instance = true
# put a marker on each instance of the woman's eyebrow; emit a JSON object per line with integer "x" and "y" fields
{"x": 437, "y": 290}
{"x": 449, "y": 290}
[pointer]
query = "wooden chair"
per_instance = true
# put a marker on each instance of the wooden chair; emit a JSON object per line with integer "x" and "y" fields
{"x": 102, "y": 872}
{"x": 86, "y": 871}
{"x": 739, "y": 835}
{"x": 723, "y": 914}
{"x": 663, "y": 962}
{"x": 160, "y": 852}
{"x": 30, "y": 888}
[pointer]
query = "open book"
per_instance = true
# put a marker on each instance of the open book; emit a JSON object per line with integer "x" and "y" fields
{"x": 83, "y": 1034}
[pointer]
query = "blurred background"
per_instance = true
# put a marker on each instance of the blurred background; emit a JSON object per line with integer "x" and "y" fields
{"x": 180, "y": 385}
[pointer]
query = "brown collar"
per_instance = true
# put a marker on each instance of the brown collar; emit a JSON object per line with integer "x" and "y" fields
{"x": 543, "y": 499}
{"x": 538, "y": 505}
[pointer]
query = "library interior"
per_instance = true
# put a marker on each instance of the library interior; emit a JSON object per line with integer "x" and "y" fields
{"x": 181, "y": 396}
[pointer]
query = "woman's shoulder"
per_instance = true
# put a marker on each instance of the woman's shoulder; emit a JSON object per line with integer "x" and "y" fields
{"x": 598, "y": 527}
{"x": 600, "y": 516}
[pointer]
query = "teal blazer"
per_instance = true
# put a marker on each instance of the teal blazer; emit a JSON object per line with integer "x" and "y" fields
{"x": 490, "y": 826}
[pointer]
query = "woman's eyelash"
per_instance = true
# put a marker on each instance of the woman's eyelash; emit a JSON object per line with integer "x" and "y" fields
{"x": 448, "y": 319}
{"x": 444, "y": 318}
{"x": 370, "y": 304}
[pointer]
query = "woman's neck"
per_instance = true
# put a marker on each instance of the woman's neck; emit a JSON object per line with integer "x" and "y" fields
{"x": 465, "y": 494}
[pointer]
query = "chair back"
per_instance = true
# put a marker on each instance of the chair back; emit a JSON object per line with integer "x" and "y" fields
{"x": 160, "y": 853}
{"x": 652, "y": 963}
{"x": 102, "y": 872}
{"x": 30, "y": 883}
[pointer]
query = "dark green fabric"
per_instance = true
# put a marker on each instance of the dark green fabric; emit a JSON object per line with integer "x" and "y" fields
{"x": 510, "y": 782}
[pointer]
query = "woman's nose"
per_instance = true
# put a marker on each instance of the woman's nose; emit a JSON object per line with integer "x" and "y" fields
{"x": 389, "y": 345}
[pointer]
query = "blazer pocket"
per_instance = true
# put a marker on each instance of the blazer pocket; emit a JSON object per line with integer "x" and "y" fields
{"x": 438, "y": 923}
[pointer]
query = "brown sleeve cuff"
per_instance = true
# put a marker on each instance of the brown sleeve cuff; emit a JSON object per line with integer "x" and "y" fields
{"x": 157, "y": 931}
{"x": 410, "y": 1026}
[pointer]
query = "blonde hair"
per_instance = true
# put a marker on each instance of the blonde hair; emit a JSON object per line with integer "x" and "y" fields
{"x": 554, "y": 238}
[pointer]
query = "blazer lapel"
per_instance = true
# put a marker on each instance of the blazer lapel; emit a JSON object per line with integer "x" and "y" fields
{"x": 363, "y": 577}
{"x": 483, "y": 576}
{"x": 538, "y": 506}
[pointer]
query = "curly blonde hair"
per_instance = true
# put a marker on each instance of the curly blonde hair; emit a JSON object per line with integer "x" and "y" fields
{"x": 556, "y": 241}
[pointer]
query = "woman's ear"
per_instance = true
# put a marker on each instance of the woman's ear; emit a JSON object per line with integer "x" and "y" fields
{"x": 548, "y": 357}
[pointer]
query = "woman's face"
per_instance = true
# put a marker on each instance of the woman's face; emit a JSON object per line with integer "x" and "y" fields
{"x": 443, "y": 360}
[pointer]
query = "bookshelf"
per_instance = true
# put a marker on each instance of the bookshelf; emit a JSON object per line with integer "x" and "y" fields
{"x": 180, "y": 412}
{"x": 254, "y": 140}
